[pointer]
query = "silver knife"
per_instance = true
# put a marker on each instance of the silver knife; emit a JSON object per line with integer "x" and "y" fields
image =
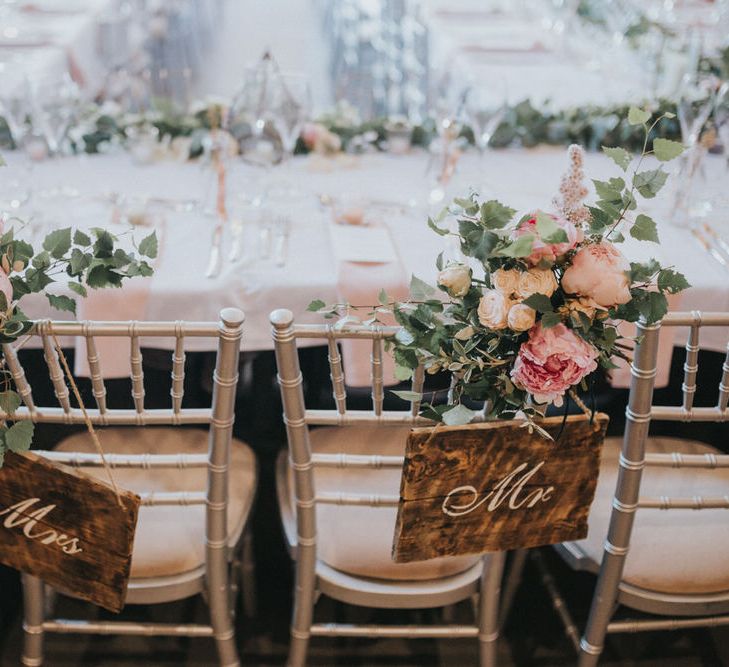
{"x": 214, "y": 261}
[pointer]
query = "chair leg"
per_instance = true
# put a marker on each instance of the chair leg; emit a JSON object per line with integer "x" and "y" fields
{"x": 488, "y": 608}
{"x": 602, "y": 609}
{"x": 511, "y": 585}
{"x": 304, "y": 597}
{"x": 32, "y": 622}
{"x": 220, "y": 613}
{"x": 248, "y": 576}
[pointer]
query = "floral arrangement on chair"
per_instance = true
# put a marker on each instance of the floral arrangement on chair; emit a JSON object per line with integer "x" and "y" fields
{"x": 83, "y": 261}
{"x": 534, "y": 306}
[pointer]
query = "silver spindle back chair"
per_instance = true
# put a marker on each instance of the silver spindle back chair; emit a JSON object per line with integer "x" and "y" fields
{"x": 671, "y": 564}
{"x": 205, "y": 465}
{"x": 308, "y": 490}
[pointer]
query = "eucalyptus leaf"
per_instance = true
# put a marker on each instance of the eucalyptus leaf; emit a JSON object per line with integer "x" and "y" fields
{"x": 458, "y": 415}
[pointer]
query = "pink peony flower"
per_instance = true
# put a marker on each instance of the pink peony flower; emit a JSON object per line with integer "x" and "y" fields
{"x": 598, "y": 271}
{"x": 548, "y": 252}
{"x": 552, "y": 361}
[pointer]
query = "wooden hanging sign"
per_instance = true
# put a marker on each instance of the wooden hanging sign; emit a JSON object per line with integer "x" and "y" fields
{"x": 66, "y": 528}
{"x": 495, "y": 487}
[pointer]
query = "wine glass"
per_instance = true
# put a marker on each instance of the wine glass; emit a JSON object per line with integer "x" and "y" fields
{"x": 55, "y": 106}
{"x": 485, "y": 110}
{"x": 290, "y": 108}
{"x": 14, "y": 108}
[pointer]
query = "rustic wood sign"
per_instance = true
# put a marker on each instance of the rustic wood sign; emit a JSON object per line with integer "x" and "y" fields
{"x": 494, "y": 487}
{"x": 67, "y": 529}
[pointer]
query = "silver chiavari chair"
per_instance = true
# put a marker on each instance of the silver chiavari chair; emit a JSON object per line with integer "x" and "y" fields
{"x": 668, "y": 559}
{"x": 197, "y": 486}
{"x": 338, "y": 492}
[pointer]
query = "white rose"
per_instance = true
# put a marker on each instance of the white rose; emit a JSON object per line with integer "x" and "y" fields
{"x": 535, "y": 281}
{"x": 505, "y": 280}
{"x": 493, "y": 309}
{"x": 456, "y": 279}
{"x": 521, "y": 317}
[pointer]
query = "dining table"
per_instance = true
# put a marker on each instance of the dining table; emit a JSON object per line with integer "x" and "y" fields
{"x": 283, "y": 244}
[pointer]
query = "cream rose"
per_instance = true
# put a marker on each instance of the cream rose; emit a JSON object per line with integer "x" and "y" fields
{"x": 505, "y": 280}
{"x": 493, "y": 309}
{"x": 535, "y": 281}
{"x": 599, "y": 271}
{"x": 456, "y": 278}
{"x": 521, "y": 317}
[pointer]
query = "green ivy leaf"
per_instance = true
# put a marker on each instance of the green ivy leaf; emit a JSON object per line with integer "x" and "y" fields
{"x": 610, "y": 191}
{"x": 58, "y": 242}
{"x": 79, "y": 261}
{"x": 549, "y": 230}
{"x": 9, "y": 401}
{"x": 539, "y": 302}
{"x": 637, "y": 116}
{"x": 420, "y": 290}
{"x": 649, "y": 183}
{"x": 672, "y": 281}
{"x": 78, "y": 288}
{"x": 666, "y": 150}
{"x": 79, "y": 238}
{"x": 42, "y": 260}
{"x": 619, "y": 156}
{"x": 19, "y": 436}
{"x": 37, "y": 279}
{"x": 61, "y": 302}
{"x": 382, "y": 298}
{"x": 103, "y": 276}
{"x": 315, "y": 306}
{"x": 642, "y": 272}
{"x": 403, "y": 373}
{"x": 520, "y": 247}
{"x": 148, "y": 246}
{"x": 550, "y": 320}
{"x": 104, "y": 243}
{"x": 494, "y": 215}
{"x": 644, "y": 229}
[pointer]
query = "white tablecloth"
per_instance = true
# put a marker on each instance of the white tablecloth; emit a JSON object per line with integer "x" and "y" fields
{"x": 524, "y": 179}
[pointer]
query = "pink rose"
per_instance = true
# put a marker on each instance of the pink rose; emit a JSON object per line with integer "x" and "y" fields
{"x": 552, "y": 361}
{"x": 598, "y": 271}
{"x": 548, "y": 252}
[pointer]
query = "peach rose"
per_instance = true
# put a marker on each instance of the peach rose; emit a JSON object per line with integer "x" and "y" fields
{"x": 521, "y": 317}
{"x": 552, "y": 361}
{"x": 506, "y": 280}
{"x": 535, "y": 281}
{"x": 600, "y": 272}
{"x": 548, "y": 252}
{"x": 493, "y": 309}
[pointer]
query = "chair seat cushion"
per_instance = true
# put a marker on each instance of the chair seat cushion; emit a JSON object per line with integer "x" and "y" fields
{"x": 671, "y": 551}
{"x": 170, "y": 540}
{"x": 358, "y": 540}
